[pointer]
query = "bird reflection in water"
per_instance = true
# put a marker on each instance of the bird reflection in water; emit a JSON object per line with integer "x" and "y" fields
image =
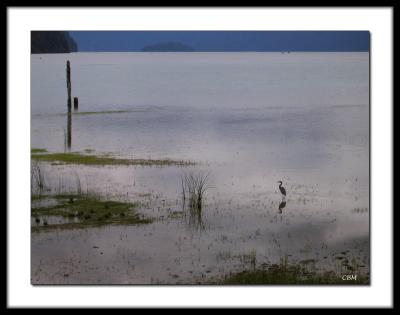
{"x": 282, "y": 205}
{"x": 68, "y": 133}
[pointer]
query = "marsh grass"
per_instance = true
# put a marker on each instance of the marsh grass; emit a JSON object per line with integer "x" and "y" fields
{"x": 345, "y": 263}
{"x": 81, "y": 209}
{"x": 38, "y": 150}
{"x": 290, "y": 273}
{"x": 38, "y": 181}
{"x": 78, "y": 185}
{"x": 86, "y": 159}
{"x": 87, "y": 210}
{"x": 193, "y": 188}
{"x": 249, "y": 259}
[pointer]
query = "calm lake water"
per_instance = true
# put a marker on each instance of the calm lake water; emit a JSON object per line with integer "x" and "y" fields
{"x": 247, "y": 119}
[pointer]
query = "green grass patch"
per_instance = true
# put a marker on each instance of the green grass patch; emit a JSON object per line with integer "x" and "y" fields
{"x": 38, "y": 150}
{"x": 87, "y": 159}
{"x": 292, "y": 274}
{"x": 83, "y": 211}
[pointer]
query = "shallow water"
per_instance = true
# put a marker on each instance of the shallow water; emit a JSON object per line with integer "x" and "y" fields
{"x": 249, "y": 119}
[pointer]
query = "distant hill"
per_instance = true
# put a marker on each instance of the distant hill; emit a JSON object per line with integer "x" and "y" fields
{"x": 168, "y": 46}
{"x": 52, "y": 42}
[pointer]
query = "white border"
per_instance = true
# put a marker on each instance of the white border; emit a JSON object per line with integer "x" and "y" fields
{"x": 22, "y": 20}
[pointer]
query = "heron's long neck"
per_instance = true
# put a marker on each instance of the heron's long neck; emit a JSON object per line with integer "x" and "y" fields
{"x": 280, "y": 185}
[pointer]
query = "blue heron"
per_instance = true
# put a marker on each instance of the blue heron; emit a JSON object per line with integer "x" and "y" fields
{"x": 282, "y": 189}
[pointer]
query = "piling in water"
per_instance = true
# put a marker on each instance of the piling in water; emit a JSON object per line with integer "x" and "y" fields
{"x": 69, "y": 85}
{"x": 69, "y": 131}
{"x": 76, "y": 103}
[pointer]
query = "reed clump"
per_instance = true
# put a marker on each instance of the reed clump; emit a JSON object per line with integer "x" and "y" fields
{"x": 194, "y": 186}
{"x": 38, "y": 181}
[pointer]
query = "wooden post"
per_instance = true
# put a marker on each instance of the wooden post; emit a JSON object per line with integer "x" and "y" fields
{"x": 75, "y": 103}
{"x": 69, "y": 85}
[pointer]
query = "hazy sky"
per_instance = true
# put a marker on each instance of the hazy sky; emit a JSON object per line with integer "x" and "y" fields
{"x": 225, "y": 40}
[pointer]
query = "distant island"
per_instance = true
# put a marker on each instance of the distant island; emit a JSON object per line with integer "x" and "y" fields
{"x": 167, "y": 47}
{"x": 52, "y": 42}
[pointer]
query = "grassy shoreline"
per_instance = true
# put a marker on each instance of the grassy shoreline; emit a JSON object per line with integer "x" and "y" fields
{"x": 88, "y": 159}
{"x": 84, "y": 211}
{"x": 293, "y": 273}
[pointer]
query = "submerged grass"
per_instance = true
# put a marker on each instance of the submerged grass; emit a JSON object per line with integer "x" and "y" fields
{"x": 101, "y": 112}
{"x": 87, "y": 159}
{"x": 83, "y": 211}
{"x": 38, "y": 197}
